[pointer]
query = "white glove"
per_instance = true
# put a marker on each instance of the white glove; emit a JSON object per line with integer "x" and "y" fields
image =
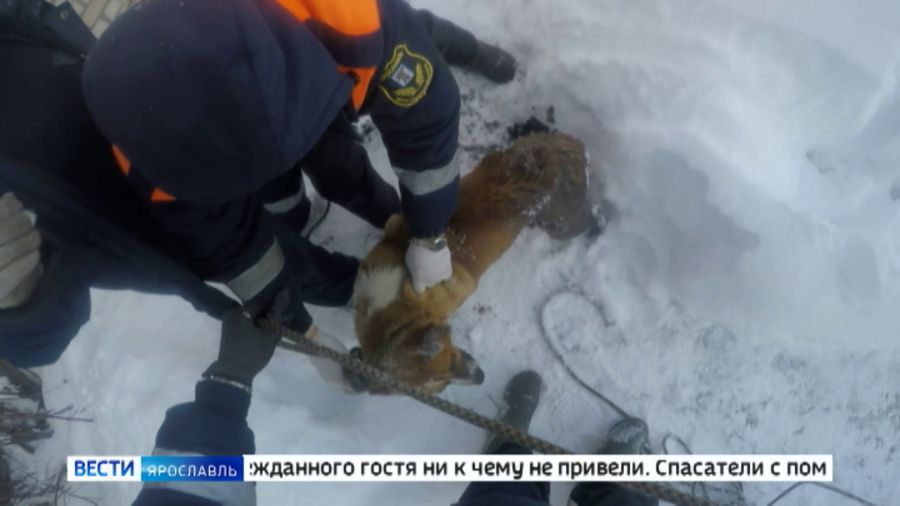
{"x": 20, "y": 254}
{"x": 427, "y": 266}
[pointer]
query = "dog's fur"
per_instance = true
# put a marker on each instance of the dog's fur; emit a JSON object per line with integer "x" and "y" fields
{"x": 542, "y": 181}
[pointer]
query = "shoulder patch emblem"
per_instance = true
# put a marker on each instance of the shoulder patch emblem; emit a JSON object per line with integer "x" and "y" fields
{"x": 406, "y": 77}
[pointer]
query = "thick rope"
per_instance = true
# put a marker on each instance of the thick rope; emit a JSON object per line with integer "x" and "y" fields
{"x": 571, "y": 372}
{"x": 298, "y": 342}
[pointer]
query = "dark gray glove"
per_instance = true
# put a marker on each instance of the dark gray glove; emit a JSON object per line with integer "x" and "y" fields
{"x": 244, "y": 350}
{"x": 271, "y": 288}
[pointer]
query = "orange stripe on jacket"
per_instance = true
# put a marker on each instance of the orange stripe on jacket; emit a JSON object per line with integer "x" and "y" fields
{"x": 161, "y": 196}
{"x": 121, "y": 160}
{"x": 354, "y": 18}
{"x": 124, "y": 163}
{"x": 350, "y": 17}
{"x": 364, "y": 78}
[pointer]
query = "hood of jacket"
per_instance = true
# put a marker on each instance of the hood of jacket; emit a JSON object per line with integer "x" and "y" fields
{"x": 211, "y": 99}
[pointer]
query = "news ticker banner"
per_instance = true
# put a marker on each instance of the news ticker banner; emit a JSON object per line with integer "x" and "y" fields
{"x": 450, "y": 468}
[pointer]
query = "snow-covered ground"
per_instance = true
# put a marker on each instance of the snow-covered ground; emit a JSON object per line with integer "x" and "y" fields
{"x": 746, "y": 297}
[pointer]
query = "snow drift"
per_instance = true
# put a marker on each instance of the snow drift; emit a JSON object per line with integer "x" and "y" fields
{"x": 744, "y": 296}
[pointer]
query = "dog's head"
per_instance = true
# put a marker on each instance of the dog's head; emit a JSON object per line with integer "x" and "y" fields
{"x": 406, "y": 333}
{"x": 426, "y": 358}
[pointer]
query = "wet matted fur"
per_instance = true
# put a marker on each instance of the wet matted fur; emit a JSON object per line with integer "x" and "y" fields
{"x": 542, "y": 181}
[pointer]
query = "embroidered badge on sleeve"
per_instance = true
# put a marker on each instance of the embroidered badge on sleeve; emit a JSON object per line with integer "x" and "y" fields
{"x": 406, "y": 77}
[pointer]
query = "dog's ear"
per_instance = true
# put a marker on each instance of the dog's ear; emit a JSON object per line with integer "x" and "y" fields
{"x": 466, "y": 370}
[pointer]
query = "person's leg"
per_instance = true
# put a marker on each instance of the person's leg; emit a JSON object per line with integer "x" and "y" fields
{"x": 628, "y": 437}
{"x": 522, "y": 397}
{"x": 461, "y": 48}
{"x": 484, "y": 493}
{"x": 457, "y": 45}
{"x": 608, "y": 494}
{"x": 341, "y": 172}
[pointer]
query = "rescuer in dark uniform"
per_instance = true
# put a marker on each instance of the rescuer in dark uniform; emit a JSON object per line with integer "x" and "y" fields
{"x": 215, "y": 106}
{"x": 211, "y": 129}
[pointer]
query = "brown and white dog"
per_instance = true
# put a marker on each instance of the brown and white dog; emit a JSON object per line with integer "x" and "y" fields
{"x": 541, "y": 180}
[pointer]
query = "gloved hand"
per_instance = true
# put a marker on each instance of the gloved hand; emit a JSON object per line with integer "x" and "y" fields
{"x": 269, "y": 289}
{"x": 20, "y": 254}
{"x": 244, "y": 349}
{"x": 281, "y": 303}
{"x": 429, "y": 263}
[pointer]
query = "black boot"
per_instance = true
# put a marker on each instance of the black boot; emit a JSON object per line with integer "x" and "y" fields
{"x": 523, "y": 393}
{"x": 493, "y": 63}
{"x": 461, "y": 49}
{"x": 628, "y": 437}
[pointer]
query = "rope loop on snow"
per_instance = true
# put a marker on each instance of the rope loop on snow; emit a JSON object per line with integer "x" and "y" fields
{"x": 698, "y": 489}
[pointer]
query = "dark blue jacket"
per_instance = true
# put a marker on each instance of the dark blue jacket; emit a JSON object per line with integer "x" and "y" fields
{"x": 95, "y": 231}
{"x": 214, "y": 424}
{"x": 210, "y": 99}
{"x": 82, "y": 248}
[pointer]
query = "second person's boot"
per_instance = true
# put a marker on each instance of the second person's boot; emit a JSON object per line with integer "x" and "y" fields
{"x": 523, "y": 394}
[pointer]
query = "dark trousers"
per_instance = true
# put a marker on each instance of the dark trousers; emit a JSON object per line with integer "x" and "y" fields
{"x": 516, "y": 493}
{"x": 340, "y": 170}
{"x": 458, "y": 46}
{"x": 538, "y": 493}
